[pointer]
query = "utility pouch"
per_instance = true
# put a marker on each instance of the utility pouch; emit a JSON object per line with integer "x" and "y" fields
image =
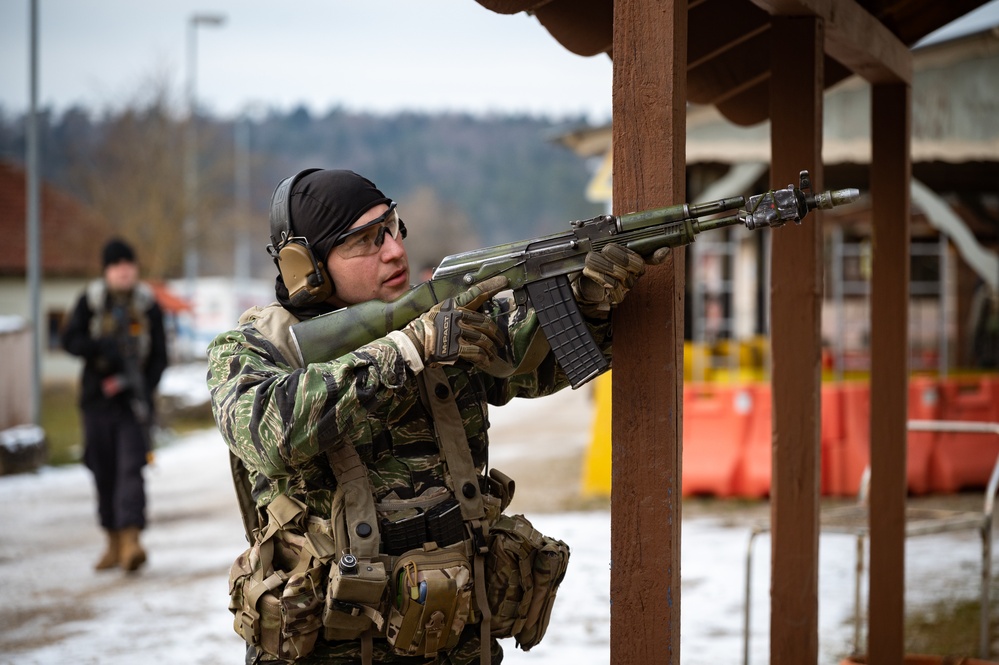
{"x": 523, "y": 571}
{"x": 354, "y": 598}
{"x": 276, "y": 587}
{"x": 431, "y": 599}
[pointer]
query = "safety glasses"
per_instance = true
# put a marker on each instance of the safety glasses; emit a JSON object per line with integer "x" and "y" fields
{"x": 367, "y": 239}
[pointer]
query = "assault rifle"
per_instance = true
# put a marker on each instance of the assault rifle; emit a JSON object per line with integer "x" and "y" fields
{"x": 539, "y": 270}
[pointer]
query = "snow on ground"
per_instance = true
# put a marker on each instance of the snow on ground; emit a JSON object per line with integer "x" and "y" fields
{"x": 55, "y": 609}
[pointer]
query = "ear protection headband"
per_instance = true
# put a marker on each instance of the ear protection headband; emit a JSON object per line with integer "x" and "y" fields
{"x": 304, "y": 275}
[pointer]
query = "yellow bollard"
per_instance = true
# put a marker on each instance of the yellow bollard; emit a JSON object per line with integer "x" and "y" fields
{"x": 597, "y": 464}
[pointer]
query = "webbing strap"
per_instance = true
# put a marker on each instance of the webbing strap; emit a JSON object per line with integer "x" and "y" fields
{"x": 485, "y": 626}
{"x": 454, "y": 444}
{"x": 367, "y": 649}
{"x": 457, "y": 457}
{"x": 359, "y": 502}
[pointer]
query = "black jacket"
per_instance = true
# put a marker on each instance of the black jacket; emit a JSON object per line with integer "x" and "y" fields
{"x": 106, "y": 355}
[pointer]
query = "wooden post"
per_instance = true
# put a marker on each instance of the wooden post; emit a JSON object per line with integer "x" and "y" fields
{"x": 890, "y": 175}
{"x": 796, "y": 85}
{"x": 649, "y": 107}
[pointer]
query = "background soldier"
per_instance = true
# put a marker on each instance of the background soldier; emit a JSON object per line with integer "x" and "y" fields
{"x": 117, "y": 328}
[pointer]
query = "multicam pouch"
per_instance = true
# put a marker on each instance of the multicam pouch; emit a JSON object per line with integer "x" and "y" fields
{"x": 523, "y": 571}
{"x": 353, "y": 599}
{"x": 276, "y": 587}
{"x": 432, "y": 598}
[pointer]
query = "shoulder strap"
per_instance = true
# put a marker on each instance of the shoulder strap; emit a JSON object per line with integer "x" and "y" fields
{"x": 359, "y": 501}
{"x": 450, "y": 428}
{"x": 436, "y": 391}
{"x": 247, "y": 506}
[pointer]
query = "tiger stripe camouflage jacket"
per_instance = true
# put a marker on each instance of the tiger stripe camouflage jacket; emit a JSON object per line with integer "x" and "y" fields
{"x": 280, "y": 420}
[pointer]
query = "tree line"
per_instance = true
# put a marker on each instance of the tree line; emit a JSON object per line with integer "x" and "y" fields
{"x": 462, "y": 181}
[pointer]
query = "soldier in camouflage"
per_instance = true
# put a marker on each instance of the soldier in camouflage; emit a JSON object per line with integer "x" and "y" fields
{"x": 282, "y": 420}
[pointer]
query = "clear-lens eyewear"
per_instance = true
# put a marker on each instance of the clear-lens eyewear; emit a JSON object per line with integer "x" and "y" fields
{"x": 367, "y": 239}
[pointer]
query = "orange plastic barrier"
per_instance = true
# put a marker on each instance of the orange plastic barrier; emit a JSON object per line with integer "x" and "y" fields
{"x": 924, "y": 404}
{"x": 830, "y": 439}
{"x": 847, "y": 450}
{"x": 727, "y": 435}
{"x": 755, "y": 469}
{"x": 965, "y": 460}
{"x": 715, "y": 422}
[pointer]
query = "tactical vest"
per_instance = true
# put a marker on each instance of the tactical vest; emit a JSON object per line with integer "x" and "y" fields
{"x": 360, "y": 540}
{"x": 102, "y": 320}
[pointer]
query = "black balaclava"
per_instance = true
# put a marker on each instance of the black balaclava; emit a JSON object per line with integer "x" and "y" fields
{"x": 323, "y": 205}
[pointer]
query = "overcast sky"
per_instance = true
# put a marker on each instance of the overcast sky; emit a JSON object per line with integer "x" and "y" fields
{"x": 371, "y": 55}
{"x": 375, "y": 55}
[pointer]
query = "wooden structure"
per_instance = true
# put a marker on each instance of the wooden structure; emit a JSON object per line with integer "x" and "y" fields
{"x": 753, "y": 60}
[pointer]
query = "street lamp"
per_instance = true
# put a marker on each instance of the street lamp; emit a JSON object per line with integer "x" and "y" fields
{"x": 191, "y": 148}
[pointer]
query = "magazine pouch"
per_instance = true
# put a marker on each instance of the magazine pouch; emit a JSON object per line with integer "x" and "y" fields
{"x": 432, "y": 596}
{"x": 523, "y": 571}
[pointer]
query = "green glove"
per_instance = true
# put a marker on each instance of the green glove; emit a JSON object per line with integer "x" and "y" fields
{"x": 606, "y": 278}
{"x": 453, "y": 330}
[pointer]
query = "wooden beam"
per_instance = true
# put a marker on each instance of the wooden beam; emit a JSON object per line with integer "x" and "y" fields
{"x": 890, "y": 134}
{"x": 649, "y": 106}
{"x": 853, "y": 37}
{"x": 795, "y": 339}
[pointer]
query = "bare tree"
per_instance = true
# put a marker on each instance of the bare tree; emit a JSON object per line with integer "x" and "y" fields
{"x": 435, "y": 229}
{"x": 132, "y": 172}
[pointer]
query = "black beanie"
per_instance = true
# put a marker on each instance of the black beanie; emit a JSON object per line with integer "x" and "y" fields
{"x": 323, "y": 204}
{"x": 115, "y": 251}
{"x": 326, "y": 203}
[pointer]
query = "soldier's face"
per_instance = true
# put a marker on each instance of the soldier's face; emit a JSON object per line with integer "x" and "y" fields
{"x": 383, "y": 275}
{"x": 121, "y": 276}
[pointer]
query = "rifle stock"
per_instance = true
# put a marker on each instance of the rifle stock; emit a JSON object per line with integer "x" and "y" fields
{"x": 539, "y": 271}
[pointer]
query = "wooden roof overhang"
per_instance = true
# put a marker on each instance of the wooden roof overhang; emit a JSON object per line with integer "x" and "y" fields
{"x": 728, "y": 41}
{"x": 729, "y": 53}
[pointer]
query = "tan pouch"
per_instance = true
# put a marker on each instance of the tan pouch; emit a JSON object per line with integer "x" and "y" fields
{"x": 354, "y": 598}
{"x": 432, "y": 596}
{"x": 523, "y": 571}
{"x": 276, "y": 587}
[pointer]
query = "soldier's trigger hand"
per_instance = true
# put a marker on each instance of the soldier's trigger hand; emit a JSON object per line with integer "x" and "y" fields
{"x": 480, "y": 339}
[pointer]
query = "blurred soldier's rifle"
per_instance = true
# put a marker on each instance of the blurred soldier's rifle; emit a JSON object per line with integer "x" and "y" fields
{"x": 131, "y": 377}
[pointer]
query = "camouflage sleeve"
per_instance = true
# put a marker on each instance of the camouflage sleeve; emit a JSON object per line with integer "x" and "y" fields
{"x": 547, "y": 377}
{"x": 276, "y": 418}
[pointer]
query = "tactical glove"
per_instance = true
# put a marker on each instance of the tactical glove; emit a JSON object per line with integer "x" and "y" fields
{"x": 453, "y": 330}
{"x": 606, "y": 278}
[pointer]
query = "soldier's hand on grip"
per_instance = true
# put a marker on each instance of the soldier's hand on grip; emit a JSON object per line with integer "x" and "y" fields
{"x": 453, "y": 330}
{"x": 606, "y": 278}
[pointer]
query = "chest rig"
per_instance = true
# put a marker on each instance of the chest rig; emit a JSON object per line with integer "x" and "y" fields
{"x": 364, "y": 565}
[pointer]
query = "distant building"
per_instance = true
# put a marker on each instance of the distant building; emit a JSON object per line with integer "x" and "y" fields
{"x": 954, "y": 288}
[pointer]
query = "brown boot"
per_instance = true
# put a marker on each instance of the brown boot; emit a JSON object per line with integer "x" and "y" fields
{"x": 131, "y": 552}
{"x": 111, "y": 557}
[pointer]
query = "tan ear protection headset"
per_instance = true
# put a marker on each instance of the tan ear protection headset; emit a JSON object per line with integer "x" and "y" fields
{"x": 304, "y": 275}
